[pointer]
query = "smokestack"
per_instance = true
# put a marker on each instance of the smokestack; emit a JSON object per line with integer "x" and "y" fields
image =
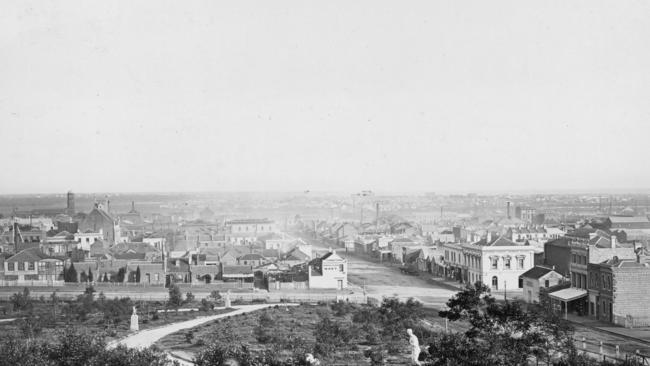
{"x": 133, "y": 206}
{"x": 17, "y": 237}
{"x": 508, "y": 208}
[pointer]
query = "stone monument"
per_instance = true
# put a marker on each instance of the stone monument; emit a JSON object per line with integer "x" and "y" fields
{"x": 134, "y": 321}
{"x": 227, "y": 301}
{"x": 415, "y": 347}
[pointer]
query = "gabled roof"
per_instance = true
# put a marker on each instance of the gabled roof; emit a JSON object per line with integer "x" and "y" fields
{"x": 503, "y": 242}
{"x": 331, "y": 256}
{"x": 628, "y": 219}
{"x": 251, "y": 257}
{"x": 27, "y": 255}
{"x": 412, "y": 256}
{"x": 130, "y": 256}
{"x": 537, "y": 272}
{"x": 237, "y": 270}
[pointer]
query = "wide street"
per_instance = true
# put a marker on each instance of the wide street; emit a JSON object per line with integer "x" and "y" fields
{"x": 387, "y": 280}
{"x": 380, "y": 280}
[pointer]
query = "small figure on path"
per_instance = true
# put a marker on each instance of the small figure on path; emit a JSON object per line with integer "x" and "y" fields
{"x": 415, "y": 347}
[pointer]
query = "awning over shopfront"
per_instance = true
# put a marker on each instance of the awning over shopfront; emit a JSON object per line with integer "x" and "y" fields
{"x": 568, "y": 294}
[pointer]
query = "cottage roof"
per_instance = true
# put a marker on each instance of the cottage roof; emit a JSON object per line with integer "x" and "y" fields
{"x": 251, "y": 257}
{"x": 237, "y": 270}
{"x": 27, "y": 255}
{"x": 537, "y": 272}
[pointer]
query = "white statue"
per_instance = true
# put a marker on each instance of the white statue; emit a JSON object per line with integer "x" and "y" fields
{"x": 311, "y": 360}
{"x": 227, "y": 300}
{"x": 415, "y": 346}
{"x": 135, "y": 326}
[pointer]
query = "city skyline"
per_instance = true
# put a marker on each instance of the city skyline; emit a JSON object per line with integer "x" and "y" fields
{"x": 442, "y": 97}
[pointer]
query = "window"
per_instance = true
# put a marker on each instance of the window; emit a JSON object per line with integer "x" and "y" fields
{"x": 507, "y": 263}
{"x": 21, "y": 266}
{"x": 495, "y": 263}
{"x": 521, "y": 282}
{"x": 31, "y": 266}
{"x": 520, "y": 263}
{"x": 495, "y": 283}
{"x": 573, "y": 258}
{"x": 546, "y": 283}
{"x": 10, "y": 266}
{"x": 341, "y": 269}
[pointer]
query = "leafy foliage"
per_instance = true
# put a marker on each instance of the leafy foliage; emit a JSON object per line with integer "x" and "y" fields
{"x": 175, "y": 296}
{"x": 498, "y": 326}
{"x": 74, "y": 348}
{"x": 22, "y": 301}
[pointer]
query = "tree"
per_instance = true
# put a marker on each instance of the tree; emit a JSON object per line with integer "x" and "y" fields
{"x": 215, "y": 295}
{"x": 21, "y": 301}
{"x": 83, "y": 277}
{"x": 137, "y": 275}
{"x": 517, "y": 334}
{"x": 105, "y": 277}
{"x": 70, "y": 275}
{"x": 90, "y": 275}
{"x": 175, "y": 296}
{"x": 121, "y": 273}
{"x": 189, "y": 297}
{"x": 54, "y": 298}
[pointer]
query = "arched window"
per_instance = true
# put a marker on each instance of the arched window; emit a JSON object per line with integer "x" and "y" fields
{"x": 495, "y": 283}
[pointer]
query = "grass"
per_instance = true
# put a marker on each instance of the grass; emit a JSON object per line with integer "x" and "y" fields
{"x": 291, "y": 329}
{"x": 95, "y": 321}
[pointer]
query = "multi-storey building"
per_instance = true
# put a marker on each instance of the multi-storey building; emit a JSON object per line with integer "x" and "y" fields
{"x": 614, "y": 294}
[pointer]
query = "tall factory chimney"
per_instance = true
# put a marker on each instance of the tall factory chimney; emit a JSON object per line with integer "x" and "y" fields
{"x": 70, "y": 208}
{"x": 508, "y": 208}
{"x": 17, "y": 238}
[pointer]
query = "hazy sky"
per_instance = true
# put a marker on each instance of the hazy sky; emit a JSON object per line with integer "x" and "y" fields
{"x": 324, "y": 95}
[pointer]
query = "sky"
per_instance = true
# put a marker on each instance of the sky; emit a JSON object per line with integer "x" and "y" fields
{"x": 462, "y": 96}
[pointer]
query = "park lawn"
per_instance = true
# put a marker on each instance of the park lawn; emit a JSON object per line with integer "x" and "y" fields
{"x": 148, "y": 318}
{"x": 295, "y": 324}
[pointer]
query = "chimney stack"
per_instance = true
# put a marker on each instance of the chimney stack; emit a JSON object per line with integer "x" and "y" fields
{"x": 508, "y": 208}
{"x": 613, "y": 240}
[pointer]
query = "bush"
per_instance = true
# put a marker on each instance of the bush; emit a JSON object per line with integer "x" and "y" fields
{"x": 21, "y": 301}
{"x": 189, "y": 297}
{"x": 206, "y": 305}
{"x": 175, "y": 296}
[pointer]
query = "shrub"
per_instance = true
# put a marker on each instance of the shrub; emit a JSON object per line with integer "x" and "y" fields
{"x": 189, "y": 297}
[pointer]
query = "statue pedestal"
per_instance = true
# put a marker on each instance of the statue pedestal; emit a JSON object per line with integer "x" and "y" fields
{"x": 227, "y": 302}
{"x": 134, "y": 323}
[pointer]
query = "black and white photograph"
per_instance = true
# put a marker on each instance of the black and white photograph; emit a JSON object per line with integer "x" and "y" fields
{"x": 316, "y": 183}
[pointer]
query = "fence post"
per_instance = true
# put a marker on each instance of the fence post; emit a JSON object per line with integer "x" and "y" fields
{"x": 584, "y": 344}
{"x": 600, "y": 349}
{"x": 617, "y": 351}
